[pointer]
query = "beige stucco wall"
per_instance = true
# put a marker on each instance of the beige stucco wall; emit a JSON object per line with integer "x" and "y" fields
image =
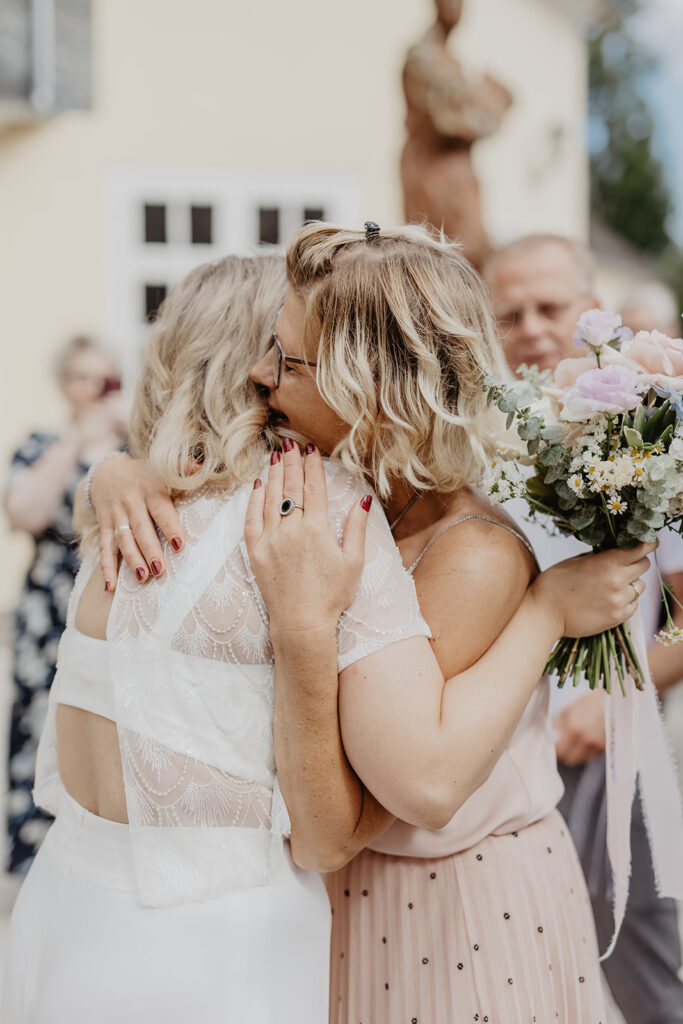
{"x": 224, "y": 84}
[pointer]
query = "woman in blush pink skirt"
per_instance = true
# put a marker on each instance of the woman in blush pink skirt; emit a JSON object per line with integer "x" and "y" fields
{"x": 487, "y": 919}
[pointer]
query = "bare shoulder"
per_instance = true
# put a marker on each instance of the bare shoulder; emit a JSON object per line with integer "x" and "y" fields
{"x": 470, "y": 583}
{"x": 485, "y": 542}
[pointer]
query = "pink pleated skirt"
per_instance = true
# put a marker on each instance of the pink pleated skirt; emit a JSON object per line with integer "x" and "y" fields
{"x": 501, "y": 933}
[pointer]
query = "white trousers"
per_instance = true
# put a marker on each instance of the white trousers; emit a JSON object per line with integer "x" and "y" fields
{"x": 82, "y": 950}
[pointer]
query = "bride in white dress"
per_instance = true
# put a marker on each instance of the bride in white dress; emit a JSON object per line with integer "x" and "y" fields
{"x": 165, "y": 890}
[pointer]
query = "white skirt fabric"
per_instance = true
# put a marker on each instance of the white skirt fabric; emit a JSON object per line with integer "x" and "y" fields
{"x": 82, "y": 949}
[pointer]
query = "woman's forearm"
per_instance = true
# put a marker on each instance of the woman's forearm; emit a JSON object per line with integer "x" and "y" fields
{"x": 34, "y": 498}
{"x": 333, "y": 817}
{"x": 450, "y": 735}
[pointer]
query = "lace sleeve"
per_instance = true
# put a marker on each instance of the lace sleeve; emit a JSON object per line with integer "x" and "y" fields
{"x": 385, "y": 608}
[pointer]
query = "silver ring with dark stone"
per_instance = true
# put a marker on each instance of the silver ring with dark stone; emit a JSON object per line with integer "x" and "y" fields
{"x": 287, "y": 506}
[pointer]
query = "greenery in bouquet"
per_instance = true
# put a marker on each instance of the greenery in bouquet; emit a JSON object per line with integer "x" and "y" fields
{"x": 602, "y": 436}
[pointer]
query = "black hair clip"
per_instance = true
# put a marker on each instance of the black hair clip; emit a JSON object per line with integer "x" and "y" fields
{"x": 371, "y": 231}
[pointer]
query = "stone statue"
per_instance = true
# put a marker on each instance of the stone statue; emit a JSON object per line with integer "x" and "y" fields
{"x": 447, "y": 113}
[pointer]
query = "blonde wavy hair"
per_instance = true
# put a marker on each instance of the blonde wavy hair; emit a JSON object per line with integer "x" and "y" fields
{"x": 197, "y": 417}
{"x": 403, "y": 333}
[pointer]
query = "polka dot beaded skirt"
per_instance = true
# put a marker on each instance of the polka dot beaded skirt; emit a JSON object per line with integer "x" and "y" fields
{"x": 500, "y": 933}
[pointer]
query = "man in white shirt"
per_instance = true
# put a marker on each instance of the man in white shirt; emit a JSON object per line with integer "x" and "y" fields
{"x": 539, "y": 286}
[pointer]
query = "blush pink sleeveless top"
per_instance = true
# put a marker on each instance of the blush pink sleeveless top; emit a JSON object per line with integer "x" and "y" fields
{"x": 523, "y": 787}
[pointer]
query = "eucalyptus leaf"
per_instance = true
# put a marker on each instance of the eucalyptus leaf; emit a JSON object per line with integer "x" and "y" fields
{"x": 563, "y": 490}
{"x": 510, "y": 420}
{"x": 554, "y": 473}
{"x": 593, "y": 535}
{"x": 566, "y": 504}
{"x": 537, "y": 487}
{"x": 583, "y": 518}
{"x": 531, "y": 429}
{"x": 507, "y": 401}
{"x": 551, "y": 456}
{"x": 551, "y": 433}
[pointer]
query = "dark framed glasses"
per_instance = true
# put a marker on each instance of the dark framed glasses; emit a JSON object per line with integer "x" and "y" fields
{"x": 279, "y": 358}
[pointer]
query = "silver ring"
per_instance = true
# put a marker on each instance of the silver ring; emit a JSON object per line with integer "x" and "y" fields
{"x": 122, "y": 527}
{"x": 287, "y": 506}
{"x": 636, "y": 588}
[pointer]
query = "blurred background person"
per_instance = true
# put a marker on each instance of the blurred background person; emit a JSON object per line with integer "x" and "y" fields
{"x": 652, "y": 306}
{"x": 43, "y": 476}
{"x": 540, "y": 285}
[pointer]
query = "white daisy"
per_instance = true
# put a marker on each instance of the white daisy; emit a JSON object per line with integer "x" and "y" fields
{"x": 616, "y": 505}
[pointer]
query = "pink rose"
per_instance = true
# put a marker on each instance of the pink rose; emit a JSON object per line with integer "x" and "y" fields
{"x": 611, "y": 389}
{"x": 656, "y": 353}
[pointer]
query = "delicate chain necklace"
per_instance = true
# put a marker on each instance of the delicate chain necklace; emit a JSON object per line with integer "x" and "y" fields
{"x": 406, "y": 508}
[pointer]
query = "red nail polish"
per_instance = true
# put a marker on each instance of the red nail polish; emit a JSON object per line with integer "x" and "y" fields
{"x": 287, "y": 444}
{"x": 366, "y": 502}
{"x": 140, "y": 573}
{"x": 107, "y": 585}
{"x": 176, "y": 543}
{"x": 274, "y": 458}
{"x": 155, "y": 567}
{"x": 257, "y": 484}
{"x": 309, "y": 449}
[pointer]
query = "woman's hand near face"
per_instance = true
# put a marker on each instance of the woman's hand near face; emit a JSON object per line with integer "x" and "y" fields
{"x": 305, "y": 577}
{"x": 126, "y": 490}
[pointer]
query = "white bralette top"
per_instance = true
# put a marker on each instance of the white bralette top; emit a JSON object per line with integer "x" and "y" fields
{"x": 87, "y": 681}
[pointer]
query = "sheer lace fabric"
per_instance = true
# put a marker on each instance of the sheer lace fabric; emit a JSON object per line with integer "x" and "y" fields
{"x": 193, "y": 674}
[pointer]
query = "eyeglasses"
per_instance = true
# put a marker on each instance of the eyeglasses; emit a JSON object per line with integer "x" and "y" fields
{"x": 279, "y": 358}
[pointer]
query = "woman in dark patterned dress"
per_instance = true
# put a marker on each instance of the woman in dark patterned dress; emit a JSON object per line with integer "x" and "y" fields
{"x": 42, "y": 480}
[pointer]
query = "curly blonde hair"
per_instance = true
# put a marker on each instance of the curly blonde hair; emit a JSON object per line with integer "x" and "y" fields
{"x": 196, "y": 415}
{"x": 402, "y": 331}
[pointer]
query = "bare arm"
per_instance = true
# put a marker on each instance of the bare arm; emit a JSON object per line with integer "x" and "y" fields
{"x": 333, "y": 816}
{"x": 34, "y": 497}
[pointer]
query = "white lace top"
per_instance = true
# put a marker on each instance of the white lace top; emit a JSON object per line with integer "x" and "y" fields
{"x": 192, "y": 671}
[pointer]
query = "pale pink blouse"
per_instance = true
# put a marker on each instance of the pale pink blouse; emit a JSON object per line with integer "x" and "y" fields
{"x": 523, "y": 787}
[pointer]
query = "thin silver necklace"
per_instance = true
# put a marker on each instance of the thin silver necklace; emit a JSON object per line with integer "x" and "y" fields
{"x": 406, "y": 508}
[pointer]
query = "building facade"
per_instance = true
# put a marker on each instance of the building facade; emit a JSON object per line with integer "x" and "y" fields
{"x": 140, "y": 137}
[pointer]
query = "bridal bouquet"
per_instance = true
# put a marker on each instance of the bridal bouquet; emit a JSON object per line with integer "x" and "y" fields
{"x": 603, "y": 437}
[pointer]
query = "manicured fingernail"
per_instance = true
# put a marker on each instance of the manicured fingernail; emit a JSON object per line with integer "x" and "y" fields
{"x": 107, "y": 585}
{"x": 287, "y": 444}
{"x": 309, "y": 449}
{"x": 274, "y": 458}
{"x": 257, "y": 484}
{"x": 155, "y": 567}
{"x": 176, "y": 543}
{"x": 140, "y": 573}
{"x": 366, "y": 502}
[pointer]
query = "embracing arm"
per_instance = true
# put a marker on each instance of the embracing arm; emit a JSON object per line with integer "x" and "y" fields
{"x": 333, "y": 816}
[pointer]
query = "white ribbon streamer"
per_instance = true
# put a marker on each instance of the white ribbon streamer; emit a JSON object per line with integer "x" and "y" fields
{"x": 637, "y": 750}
